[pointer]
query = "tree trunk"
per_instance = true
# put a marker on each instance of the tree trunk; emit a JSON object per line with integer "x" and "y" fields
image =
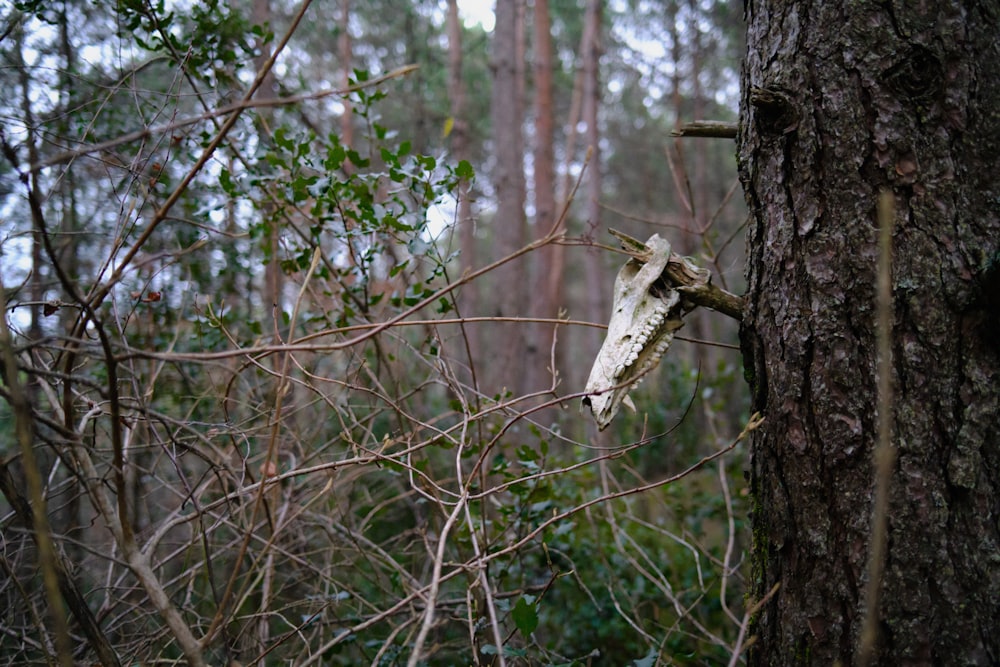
{"x": 273, "y": 288}
{"x": 547, "y": 283}
{"x": 344, "y": 53}
{"x": 469, "y": 298}
{"x": 840, "y": 100}
{"x": 691, "y": 181}
{"x": 509, "y": 225}
{"x": 597, "y": 304}
{"x": 271, "y": 292}
{"x": 572, "y": 374}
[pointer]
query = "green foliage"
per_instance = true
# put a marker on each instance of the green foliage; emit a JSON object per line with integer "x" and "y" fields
{"x": 370, "y": 202}
{"x": 299, "y": 458}
{"x": 221, "y": 36}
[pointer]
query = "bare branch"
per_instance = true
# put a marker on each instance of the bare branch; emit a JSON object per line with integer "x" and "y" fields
{"x": 718, "y": 129}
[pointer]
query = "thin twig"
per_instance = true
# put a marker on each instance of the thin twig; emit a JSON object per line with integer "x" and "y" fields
{"x": 742, "y": 643}
{"x": 885, "y": 453}
{"x": 242, "y": 105}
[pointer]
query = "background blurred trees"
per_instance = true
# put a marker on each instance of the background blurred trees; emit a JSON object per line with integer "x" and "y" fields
{"x": 255, "y": 381}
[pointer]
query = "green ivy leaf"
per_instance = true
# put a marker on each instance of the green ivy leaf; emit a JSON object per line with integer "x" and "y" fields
{"x": 465, "y": 170}
{"x": 357, "y": 160}
{"x": 226, "y": 181}
{"x": 490, "y": 649}
{"x": 525, "y": 453}
{"x": 335, "y": 158}
{"x": 300, "y": 188}
{"x": 525, "y": 615}
{"x": 394, "y": 271}
{"x": 392, "y": 222}
{"x": 282, "y": 140}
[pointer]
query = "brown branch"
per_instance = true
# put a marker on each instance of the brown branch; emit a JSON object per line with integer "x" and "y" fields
{"x": 685, "y": 278}
{"x": 717, "y": 129}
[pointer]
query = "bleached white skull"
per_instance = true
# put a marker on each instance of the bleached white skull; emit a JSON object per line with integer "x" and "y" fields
{"x": 645, "y": 315}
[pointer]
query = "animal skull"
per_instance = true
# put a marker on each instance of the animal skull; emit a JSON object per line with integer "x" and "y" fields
{"x": 646, "y": 313}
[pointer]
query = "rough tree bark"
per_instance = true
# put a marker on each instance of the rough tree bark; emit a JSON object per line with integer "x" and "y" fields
{"x": 840, "y": 100}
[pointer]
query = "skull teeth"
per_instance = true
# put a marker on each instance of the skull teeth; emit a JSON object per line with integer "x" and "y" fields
{"x": 642, "y": 343}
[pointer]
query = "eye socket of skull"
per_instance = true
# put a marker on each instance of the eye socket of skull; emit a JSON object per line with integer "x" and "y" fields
{"x": 659, "y": 288}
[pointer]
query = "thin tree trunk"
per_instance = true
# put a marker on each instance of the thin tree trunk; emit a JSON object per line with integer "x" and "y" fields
{"x": 700, "y": 325}
{"x": 469, "y": 298}
{"x": 546, "y": 303}
{"x": 273, "y": 277}
{"x": 597, "y": 304}
{"x": 509, "y": 228}
{"x": 699, "y": 182}
{"x": 840, "y": 100}
{"x": 573, "y": 374}
{"x": 273, "y": 283}
{"x": 344, "y": 52}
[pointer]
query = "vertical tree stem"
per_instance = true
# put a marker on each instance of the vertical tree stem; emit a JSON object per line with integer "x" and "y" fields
{"x": 885, "y": 455}
{"x": 21, "y": 408}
